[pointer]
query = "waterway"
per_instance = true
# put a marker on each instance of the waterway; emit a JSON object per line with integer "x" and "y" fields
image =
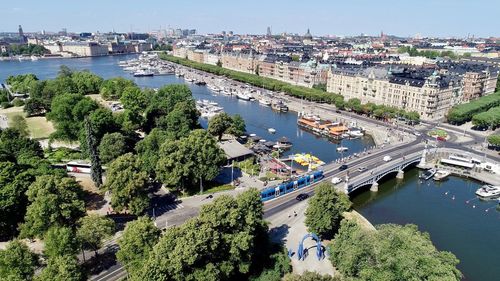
{"x": 467, "y": 230}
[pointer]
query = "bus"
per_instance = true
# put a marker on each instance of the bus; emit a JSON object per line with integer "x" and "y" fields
{"x": 78, "y": 167}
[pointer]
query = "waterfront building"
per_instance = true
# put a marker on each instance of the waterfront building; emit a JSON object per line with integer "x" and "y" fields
{"x": 239, "y": 61}
{"x": 420, "y": 90}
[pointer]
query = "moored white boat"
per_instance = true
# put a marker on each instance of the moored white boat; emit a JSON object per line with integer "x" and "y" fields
{"x": 488, "y": 191}
{"x": 441, "y": 175}
{"x": 271, "y": 130}
{"x": 428, "y": 174}
{"x": 243, "y": 96}
{"x": 342, "y": 149}
{"x": 264, "y": 102}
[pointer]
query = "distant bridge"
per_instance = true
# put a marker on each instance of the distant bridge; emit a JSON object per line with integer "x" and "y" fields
{"x": 371, "y": 177}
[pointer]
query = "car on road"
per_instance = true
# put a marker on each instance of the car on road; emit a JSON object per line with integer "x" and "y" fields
{"x": 302, "y": 197}
{"x": 343, "y": 167}
{"x": 441, "y": 139}
{"x": 387, "y": 158}
{"x": 336, "y": 180}
{"x": 361, "y": 169}
{"x": 417, "y": 134}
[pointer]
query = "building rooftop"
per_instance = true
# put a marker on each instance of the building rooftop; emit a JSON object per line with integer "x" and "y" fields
{"x": 234, "y": 149}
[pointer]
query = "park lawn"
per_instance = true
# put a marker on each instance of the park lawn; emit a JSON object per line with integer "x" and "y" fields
{"x": 38, "y": 126}
{"x": 208, "y": 187}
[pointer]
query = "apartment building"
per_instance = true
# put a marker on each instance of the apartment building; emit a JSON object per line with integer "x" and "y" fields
{"x": 422, "y": 90}
{"x": 239, "y": 62}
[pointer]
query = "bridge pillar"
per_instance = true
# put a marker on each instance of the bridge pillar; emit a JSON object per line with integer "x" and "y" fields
{"x": 423, "y": 160}
{"x": 374, "y": 187}
{"x": 400, "y": 175}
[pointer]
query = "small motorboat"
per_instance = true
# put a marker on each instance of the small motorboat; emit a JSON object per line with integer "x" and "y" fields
{"x": 342, "y": 149}
{"x": 264, "y": 102}
{"x": 488, "y": 191}
{"x": 428, "y": 174}
{"x": 283, "y": 143}
{"x": 441, "y": 175}
{"x": 271, "y": 130}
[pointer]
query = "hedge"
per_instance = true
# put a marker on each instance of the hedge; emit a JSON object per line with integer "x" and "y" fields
{"x": 310, "y": 94}
{"x": 490, "y": 118}
{"x": 462, "y": 113}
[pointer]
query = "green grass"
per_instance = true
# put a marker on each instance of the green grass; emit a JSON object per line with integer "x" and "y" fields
{"x": 438, "y": 132}
{"x": 38, "y": 126}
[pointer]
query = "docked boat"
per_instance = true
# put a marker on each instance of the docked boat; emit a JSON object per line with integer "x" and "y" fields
{"x": 200, "y": 83}
{"x": 428, "y": 174}
{"x": 279, "y": 106}
{"x": 264, "y": 102}
{"x": 355, "y": 133}
{"x": 143, "y": 73}
{"x": 283, "y": 143}
{"x": 342, "y": 149}
{"x": 441, "y": 175}
{"x": 271, "y": 130}
{"x": 243, "y": 96}
{"x": 488, "y": 191}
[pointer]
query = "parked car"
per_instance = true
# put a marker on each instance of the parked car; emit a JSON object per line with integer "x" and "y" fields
{"x": 387, "y": 158}
{"x": 336, "y": 180}
{"x": 302, "y": 196}
{"x": 343, "y": 167}
{"x": 361, "y": 169}
{"x": 441, "y": 139}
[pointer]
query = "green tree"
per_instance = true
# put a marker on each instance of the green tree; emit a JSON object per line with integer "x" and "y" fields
{"x": 136, "y": 243}
{"x": 216, "y": 245}
{"x": 111, "y": 146}
{"x": 237, "y": 127}
{"x": 189, "y": 160}
{"x": 393, "y": 252}
{"x": 55, "y": 201}
{"x": 147, "y": 150}
{"x": 19, "y": 124}
{"x": 92, "y": 143}
{"x": 324, "y": 212}
{"x": 180, "y": 121}
{"x": 86, "y": 83}
{"x": 17, "y": 262}
{"x": 129, "y": 120}
{"x": 61, "y": 268}
{"x": 134, "y": 99}
{"x": 60, "y": 241}
{"x": 112, "y": 89}
{"x": 93, "y": 230}
{"x": 67, "y": 113}
{"x": 22, "y": 84}
{"x": 128, "y": 184}
{"x": 219, "y": 124}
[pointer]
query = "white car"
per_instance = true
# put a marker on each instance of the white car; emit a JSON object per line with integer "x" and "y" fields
{"x": 417, "y": 134}
{"x": 336, "y": 180}
{"x": 387, "y": 158}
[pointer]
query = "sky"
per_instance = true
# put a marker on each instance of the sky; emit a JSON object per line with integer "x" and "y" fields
{"x": 433, "y": 18}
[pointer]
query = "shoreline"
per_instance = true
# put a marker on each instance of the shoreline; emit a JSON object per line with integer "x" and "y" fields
{"x": 28, "y": 58}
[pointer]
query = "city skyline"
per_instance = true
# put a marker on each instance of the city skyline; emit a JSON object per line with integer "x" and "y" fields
{"x": 445, "y": 18}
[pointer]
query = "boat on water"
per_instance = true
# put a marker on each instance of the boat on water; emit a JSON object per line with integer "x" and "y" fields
{"x": 213, "y": 103}
{"x": 143, "y": 73}
{"x": 243, "y": 96}
{"x": 283, "y": 143}
{"x": 271, "y": 130}
{"x": 355, "y": 133}
{"x": 34, "y": 58}
{"x": 279, "y": 106}
{"x": 428, "y": 174}
{"x": 488, "y": 191}
{"x": 264, "y": 102}
{"x": 342, "y": 149}
{"x": 200, "y": 83}
{"x": 441, "y": 175}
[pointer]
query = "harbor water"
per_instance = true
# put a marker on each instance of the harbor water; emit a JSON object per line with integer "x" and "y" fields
{"x": 469, "y": 230}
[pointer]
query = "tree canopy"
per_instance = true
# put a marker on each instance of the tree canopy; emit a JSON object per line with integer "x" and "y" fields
{"x": 392, "y": 253}
{"x": 112, "y": 89}
{"x": 185, "y": 161}
{"x": 136, "y": 243}
{"x": 128, "y": 184}
{"x": 112, "y": 146}
{"x": 216, "y": 245}
{"x": 147, "y": 150}
{"x": 92, "y": 231}
{"x": 324, "y": 212}
{"x": 462, "y": 113}
{"x": 60, "y": 241}
{"x": 219, "y": 124}
{"x": 61, "y": 268}
{"x": 55, "y": 201}
{"x": 17, "y": 262}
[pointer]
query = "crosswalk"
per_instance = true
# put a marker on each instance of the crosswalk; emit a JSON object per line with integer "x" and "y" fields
{"x": 166, "y": 208}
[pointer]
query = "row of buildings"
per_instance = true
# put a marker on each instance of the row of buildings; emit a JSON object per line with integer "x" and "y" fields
{"x": 428, "y": 86}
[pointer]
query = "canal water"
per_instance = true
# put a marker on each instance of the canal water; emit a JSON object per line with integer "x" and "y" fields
{"x": 469, "y": 230}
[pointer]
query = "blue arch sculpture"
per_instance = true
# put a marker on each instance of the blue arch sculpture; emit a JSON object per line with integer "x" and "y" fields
{"x": 319, "y": 250}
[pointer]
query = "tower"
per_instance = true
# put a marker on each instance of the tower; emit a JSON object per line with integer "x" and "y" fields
{"x": 22, "y": 39}
{"x": 269, "y": 34}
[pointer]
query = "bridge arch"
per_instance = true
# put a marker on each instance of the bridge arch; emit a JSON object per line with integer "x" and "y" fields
{"x": 319, "y": 249}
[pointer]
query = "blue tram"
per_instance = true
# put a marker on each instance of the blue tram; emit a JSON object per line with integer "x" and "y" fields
{"x": 286, "y": 187}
